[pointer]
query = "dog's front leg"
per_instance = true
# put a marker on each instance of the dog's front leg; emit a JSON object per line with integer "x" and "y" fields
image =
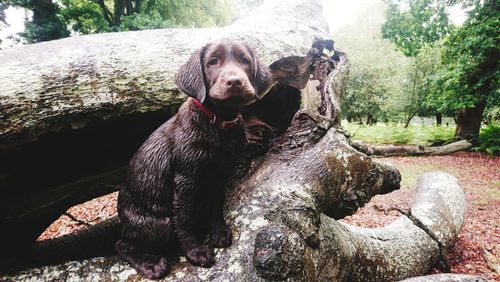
{"x": 220, "y": 233}
{"x": 187, "y": 222}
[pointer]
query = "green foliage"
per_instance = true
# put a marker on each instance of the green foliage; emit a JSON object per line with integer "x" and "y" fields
{"x": 52, "y": 28}
{"x": 492, "y": 114}
{"x": 56, "y": 19}
{"x": 489, "y": 140}
{"x": 46, "y": 23}
{"x": 365, "y": 95}
{"x": 391, "y": 134}
{"x": 471, "y": 54}
{"x": 374, "y": 86}
{"x": 140, "y": 21}
{"x": 438, "y": 134}
{"x": 414, "y": 26}
{"x": 83, "y": 16}
{"x": 418, "y": 83}
{"x": 402, "y": 136}
{"x": 384, "y": 84}
{"x": 468, "y": 79}
{"x": 190, "y": 13}
{"x": 411, "y": 24}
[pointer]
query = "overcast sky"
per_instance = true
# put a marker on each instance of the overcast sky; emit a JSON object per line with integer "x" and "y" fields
{"x": 15, "y": 20}
{"x": 340, "y": 12}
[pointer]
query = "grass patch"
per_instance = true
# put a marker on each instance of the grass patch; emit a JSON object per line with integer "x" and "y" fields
{"x": 492, "y": 194}
{"x": 411, "y": 170}
{"x": 410, "y": 174}
{"x": 481, "y": 202}
{"x": 392, "y": 134}
{"x": 489, "y": 139}
{"x": 485, "y": 196}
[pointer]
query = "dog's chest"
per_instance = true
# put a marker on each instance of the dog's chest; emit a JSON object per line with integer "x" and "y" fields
{"x": 225, "y": 146}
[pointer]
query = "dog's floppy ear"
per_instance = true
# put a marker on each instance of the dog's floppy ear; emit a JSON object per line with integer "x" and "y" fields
{"x": 191, "y": 77}
{"x": 262, "y": 78}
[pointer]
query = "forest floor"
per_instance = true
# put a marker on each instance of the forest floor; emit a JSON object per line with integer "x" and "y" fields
{"x": 480, "y": 236}
{"x": 478, "y": 242}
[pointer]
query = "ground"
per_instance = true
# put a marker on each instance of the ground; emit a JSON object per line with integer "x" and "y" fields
{"x": 480, "y": 235}
{"x": 480, "y": 176}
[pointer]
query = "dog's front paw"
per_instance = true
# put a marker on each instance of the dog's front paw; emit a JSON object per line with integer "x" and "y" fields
{"x": 221, "y": 237}
{"x": 201, "y": 256}
{"x": 153, "y": 267}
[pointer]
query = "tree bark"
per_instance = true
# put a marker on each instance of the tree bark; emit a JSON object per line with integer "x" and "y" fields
{"x": 439, "y": 119}
{"x": 410, "y": 150}
{"x": 369, "y": 119}
{"x": 408, "y": 119}
{"x": 67, "y": 84}
{"x": 73, "y": 111}
{"x": 282, "y": 233}
{"x": 468, "y": 122}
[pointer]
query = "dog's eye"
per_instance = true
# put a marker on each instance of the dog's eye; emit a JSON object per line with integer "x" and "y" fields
{"x": 244, "y": 61}
{"x": 212, "y": 62}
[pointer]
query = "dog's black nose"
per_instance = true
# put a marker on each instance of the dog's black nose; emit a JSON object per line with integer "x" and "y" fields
{"x": 234, "y": 81}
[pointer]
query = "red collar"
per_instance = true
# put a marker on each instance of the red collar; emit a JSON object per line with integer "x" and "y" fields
{"x": 222, "y": 124}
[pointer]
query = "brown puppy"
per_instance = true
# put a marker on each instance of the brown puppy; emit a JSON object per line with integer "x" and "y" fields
{"x": 176, "y": 181}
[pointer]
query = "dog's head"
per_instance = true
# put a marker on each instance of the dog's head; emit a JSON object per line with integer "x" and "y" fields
{"x": 227, "y": 71}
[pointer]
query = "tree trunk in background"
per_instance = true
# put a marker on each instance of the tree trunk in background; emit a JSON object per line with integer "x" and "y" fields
{"x": 439, "y": 119}
{"x": 106, "y": 13}
{"x": 468, "y": 122}
{"x": 369, "y": 119}
{"x": 408, "y": 120}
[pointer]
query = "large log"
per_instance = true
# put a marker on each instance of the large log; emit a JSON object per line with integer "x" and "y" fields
{"x": 69, "y": 83}
{"x": 73, "y": 111}
{"x": 281, "y": 232}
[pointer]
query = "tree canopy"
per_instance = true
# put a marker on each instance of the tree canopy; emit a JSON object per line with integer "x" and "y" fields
{"x": 374, "y": 89}
{"x": 58, "y": 19}
{"x": 411, "y": 24}
{"x": 466, "y": 80}
{"x": 470, "y": 73}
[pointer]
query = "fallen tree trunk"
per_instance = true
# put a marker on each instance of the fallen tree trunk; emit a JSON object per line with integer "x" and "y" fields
{"x": 73, "y": 111}
{"x": 409, "y": 150}
{"x": 282, "y": 234}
